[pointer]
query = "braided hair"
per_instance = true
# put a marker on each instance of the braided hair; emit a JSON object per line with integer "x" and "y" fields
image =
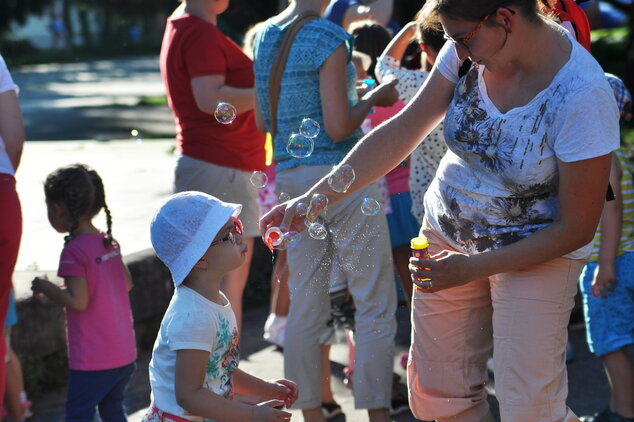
{"x": 99, "y": 202}
{"x": 80, "y": 190}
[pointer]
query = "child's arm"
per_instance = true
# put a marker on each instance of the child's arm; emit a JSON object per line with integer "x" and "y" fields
{"x": 611, "y": 221}
{"x": 191, "y": 366}
{"x": 250, "y": 385}
{"x": 397, "y": 46}
{"x": 73, "y": 296}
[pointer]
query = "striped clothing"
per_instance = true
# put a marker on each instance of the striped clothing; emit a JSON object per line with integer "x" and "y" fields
{"x": 627, "y": 193}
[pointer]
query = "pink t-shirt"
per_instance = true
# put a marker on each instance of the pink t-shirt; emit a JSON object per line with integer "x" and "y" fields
{"x": 101, "y": 336}
{"x": 398, "y": 178}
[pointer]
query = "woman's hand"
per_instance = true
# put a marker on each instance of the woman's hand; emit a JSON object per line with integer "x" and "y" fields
{"x": 284, "y": 390}
{"x": 604, "y": 280}
{"x": 443, "y": 271}
{"x": 384, "y": 95}
{"x": 286, "y": 216}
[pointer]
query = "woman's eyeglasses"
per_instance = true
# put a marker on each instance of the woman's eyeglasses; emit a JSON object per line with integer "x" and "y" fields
{"x": 231, "y": 236}
{"x": 465, "y": 40}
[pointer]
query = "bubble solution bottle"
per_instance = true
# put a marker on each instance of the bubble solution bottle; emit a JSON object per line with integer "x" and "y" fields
{"x": 420, "y": 250}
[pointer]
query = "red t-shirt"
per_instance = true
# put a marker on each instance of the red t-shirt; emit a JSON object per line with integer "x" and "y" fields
{"x": 193, "y": 47}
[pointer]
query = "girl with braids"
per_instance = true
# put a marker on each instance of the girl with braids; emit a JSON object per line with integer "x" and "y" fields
{"x": 100, "y": 336}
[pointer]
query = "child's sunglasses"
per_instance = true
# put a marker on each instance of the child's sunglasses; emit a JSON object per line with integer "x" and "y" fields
{"x": 235, "y": 230}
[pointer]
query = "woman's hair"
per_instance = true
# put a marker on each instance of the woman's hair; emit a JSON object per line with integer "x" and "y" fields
{"x": 249, "y": 38}
{"x": 472, "y": 10}
{"x": 80, "y": 189}
{"x": 370, "y": 38}
{"x": 429, "y": 35}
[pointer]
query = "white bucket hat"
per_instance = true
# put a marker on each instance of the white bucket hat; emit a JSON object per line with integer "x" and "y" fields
{"x": 183, "y": 228}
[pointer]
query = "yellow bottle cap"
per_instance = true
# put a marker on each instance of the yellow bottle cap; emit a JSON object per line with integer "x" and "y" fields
{"x": 419, "y": 242}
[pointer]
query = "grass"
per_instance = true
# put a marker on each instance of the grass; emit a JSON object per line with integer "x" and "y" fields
{"x": 609, "y": 47}
{"x": 628, "y": 137}
{"x": 156, "y": 100}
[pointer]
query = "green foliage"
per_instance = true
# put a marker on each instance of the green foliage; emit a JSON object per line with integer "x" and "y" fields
{"x": 49, "y": 372}
{"x": 158, "y": 100}
{"x": 18, "y": 10}
{"x": 627, "y": 135}
{"x": 609, "y": 47}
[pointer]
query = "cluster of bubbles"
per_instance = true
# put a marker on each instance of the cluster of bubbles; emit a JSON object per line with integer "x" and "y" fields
{"x": 316, "y": 207}
{"x": 283, "y": 197}
{"x": 225, "y": 113}
{"x": 302, "y": 144}
{"x": 317, "y": 231}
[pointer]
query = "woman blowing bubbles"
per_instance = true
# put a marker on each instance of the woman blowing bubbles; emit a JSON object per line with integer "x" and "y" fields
{"x": 510, "y": 214}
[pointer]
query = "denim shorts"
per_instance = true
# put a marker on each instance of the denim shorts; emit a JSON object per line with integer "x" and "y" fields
{"x": 402, "y": 224}
{"x": 610, "y": 321}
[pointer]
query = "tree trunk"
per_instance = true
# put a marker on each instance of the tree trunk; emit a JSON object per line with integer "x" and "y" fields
{"x": 85, "y": 26}
{"x": 629, "y": 65}
{"x": 68, "y": 23}
{"x": 106, "y": 27}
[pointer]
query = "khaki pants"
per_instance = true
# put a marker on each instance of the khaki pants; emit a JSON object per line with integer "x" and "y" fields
{"x": 358, "y": 249}
{"x": 522, "y": 315}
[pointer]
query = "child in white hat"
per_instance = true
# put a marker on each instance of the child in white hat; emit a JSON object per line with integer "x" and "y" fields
{"x": 195, "y": 358}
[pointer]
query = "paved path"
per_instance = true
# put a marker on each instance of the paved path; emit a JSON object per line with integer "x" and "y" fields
{"x": 93, "y": 100}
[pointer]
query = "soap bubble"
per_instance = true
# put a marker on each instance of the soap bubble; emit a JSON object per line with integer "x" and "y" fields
{"x": 309, "y": 127}
{"x": 341, "y": 179}
{"x": 259, "y": 179}
{"x": 301, "y": 209}
{"x": 318, "y": 204}
{"x": 300, "y": 146}
{"x": 317, "y": 231}
{"x": 370, "y": 206}
{"x": 225, "y": 113}
{"x": 283, "y": 197}
{"x": 135, "y": 134}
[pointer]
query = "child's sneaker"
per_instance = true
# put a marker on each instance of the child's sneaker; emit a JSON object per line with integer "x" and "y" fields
{"x": 274, "y": 328}
{"x": 330, "y": 410}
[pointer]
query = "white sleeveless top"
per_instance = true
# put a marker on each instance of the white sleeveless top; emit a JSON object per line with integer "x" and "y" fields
{"x": 6, "y": 84}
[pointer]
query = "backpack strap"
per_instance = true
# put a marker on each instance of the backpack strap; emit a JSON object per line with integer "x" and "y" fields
{"x": 277, "y": 70}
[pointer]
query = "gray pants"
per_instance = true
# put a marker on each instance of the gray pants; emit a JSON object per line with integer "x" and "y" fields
{"x": 357, "y": 247}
